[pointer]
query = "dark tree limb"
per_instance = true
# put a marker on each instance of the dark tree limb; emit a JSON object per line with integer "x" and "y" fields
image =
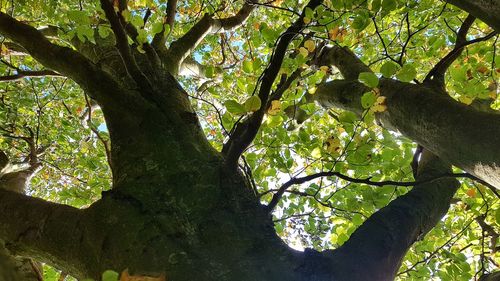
{"x": 63, "y": 60}
{"x": 246, "y": 131}
{"x": 184, "y": 46}
{"x": 160, "y": 39}
{"x": 345, "y": 60}
{"x": 381, "y": 242}
{"x": 36, "y": 73}
{"x": 37, "y": 228}
{"x": 485, "y": 10}
{"x": 438, "y": 72}
{"x": 123, "y": 46}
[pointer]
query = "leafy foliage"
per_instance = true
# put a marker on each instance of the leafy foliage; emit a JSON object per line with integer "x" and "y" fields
{"x": 399, "y": 39}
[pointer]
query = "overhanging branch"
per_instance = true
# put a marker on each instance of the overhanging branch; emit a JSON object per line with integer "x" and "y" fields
{"x": 36, "y": 73}
{"x": 300, "y": 180}
{"x": 184, "y": 46}
{"x": 439, "y": 70}
{"x": 63, "y": 60}
{"x": 37, "y": 228}
{"x": 246, "y": 131}
{"x": 123, "y": 46}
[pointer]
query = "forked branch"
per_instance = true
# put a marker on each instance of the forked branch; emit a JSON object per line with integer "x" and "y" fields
{"x": 246, "y": 131}
{"x": 183, "y": 47}
{"x": 439, "y": 70}
{"x": 63, "y": 60}
{"x": 123, "y": 46}
{"x": 161, "y": 38}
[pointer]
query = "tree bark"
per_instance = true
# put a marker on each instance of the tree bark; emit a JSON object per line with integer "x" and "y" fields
{"x": 376, "y": 249}
{"x": 177, "y": 209}
{"x": 485, "y": 10}
{"x": 457, "y": 133}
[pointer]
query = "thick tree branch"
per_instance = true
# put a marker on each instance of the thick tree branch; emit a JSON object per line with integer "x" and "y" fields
{"x": 36, "y": 73}
{"x": 184, "y": 46}
{"x": 63, "y": 60}
{"x": 39, "y": 229}
{"x": 485, "y": 10}
{"x": 455, "y": 132}
{"x": 123, "y": 46}
{"x": 345, "y": 60}
{"x": 246, "y": 131}
{"x": 379, "y": 245}
{"x": 160, "y": 38}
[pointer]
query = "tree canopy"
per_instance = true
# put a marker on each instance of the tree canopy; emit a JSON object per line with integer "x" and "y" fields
{"x": 175, "y": 139}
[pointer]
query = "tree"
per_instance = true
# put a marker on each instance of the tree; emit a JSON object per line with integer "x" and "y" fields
{"x": 190, "y": 140}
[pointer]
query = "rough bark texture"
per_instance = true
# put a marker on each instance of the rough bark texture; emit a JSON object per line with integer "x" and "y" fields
{"x": 485, "y": 10}
{"x": 458, "y": 133}
{"x": 177, "y": 208}
{"x": 379, "y": 245}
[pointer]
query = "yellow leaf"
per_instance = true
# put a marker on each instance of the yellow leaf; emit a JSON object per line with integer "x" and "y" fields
{"x": 333, "y": 33}
{"x": 324, "y": 69}
{"x": 303, "y": 51}
{"x": 332, "y": 145}
{"x": 312, "y": 90}
{"x": 310, "y": 45}
{"x": 465, "y": 99}
{"x": 471, "y": 192}
{"x": 307, "y": 20}
{"x": 275, "y": 107}
{"x": 4, "y": 50}
{"x": 379, "y": 108}
{"x": 380, "y": 100}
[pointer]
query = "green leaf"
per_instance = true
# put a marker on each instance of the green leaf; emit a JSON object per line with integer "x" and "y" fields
{"x": 348, "y": 117}
{"x": 157, "y": 27}
{"x": 137, "y": 21}
{"x": 209, "y": 71}
{"x": 247, "y": 66}
{"x": 309, "y": 13}
{"x": 103, "y": 31}
{"x": 374, "y": 5}
{"x": 253, "y": 103}
{"x": 369, "y": 79}
{"x": 79, "y": 17}
{"x": 110, "y": 275}
{"x": 389, "y": 68}
{"x": 338, "y": 4}
{"x": 360, "y": 22}
{"x": 497, "y": 216}
{"x": 407, "y": 73}
{"x": 368, "y": 99}
{"x": 388, "y": 6}
{"x": 142, "y": 36}
{"x": 235, "y": 107}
